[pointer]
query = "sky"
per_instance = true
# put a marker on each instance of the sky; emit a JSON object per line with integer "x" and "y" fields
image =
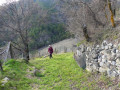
{"x": 4, "y": 1}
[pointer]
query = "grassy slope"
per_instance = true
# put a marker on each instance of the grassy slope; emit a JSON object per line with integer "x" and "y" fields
{"x": 59, "y": 73}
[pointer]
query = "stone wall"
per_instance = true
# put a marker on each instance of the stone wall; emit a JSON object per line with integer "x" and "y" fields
{"x": 101, "y": 58}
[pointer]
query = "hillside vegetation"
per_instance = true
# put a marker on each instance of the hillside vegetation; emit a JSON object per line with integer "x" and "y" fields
{"x": 78, "y": 26}
{"x": 41, "y": 32}
{"x": 59, "y": 73}
{"x": 47, "y": 34}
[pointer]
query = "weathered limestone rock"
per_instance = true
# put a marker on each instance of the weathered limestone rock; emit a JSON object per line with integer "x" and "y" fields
{"x": 102, "y": 47}
{"x": 114, "y": 74}
{"x": 108, "y": 52}
{"x": 96, "y": 60}
{"x": 101, "y": 64}
{"x": 118, "y": 55}
{"x": 113, "y": 63}
{"x": 118, "y": 61}
{"x": 102, "y": 70}
{"x": 110, "y": 45}
{"x": 95, "y": 56}
{"x": 81, "y": 60}
{"x": 78, "y": 53}
{"x": 104, "y": 43}
{"x": 108, "y": 64}
{"x": 106, "y": 47}
{"x": 102, "y": 58}
{"x": 89, "y": 49}
{"x": 89, "y": 69}
{"x": 109, "y": 72}
{"x": 82, "y": 48}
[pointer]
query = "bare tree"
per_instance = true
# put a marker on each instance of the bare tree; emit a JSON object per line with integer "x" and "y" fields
{"x": 92, "y": 14}
{"x": 112, "y": 11}
{"x": 19, "y": 17}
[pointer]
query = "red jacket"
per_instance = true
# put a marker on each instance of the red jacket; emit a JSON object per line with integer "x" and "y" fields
{"x": 50, "y": 50}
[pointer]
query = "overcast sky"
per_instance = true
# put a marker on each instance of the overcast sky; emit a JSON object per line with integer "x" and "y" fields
{"x": 4, "y": 1}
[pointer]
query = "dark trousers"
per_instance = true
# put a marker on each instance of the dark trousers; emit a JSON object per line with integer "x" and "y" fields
{"x": 51, "y": 55}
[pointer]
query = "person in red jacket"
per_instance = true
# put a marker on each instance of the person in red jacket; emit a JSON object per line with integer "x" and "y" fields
{"x": 50, "y": 50}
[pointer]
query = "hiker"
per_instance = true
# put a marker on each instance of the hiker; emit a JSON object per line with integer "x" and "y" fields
{"x": 50, "y": 50}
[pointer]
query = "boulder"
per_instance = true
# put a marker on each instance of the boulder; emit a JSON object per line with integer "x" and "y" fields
{"x": 102, "y": 70}
{"x": 81, "y": 60}
{"x": 101, "y": 64}
{"x": 115, "y": 46}
{"x": 114, "y": 50}
{"x": 118, "y": 55}
{"x": 108, "y": 52}
{"x": 104, "y": 60}
{"x": 95, "y": 56}
{"x": 78, "y": 53}
{"x": 109, "y": 72}
{"x": 118, "y": 61}
{"x": 117, "y": 51}
{"x": 104, "y": 56}
{"x": 114, "y": 74}
{"x": 104, "y": 43}
{"x": 98, "y": 46}
{"x": 96, "y": 60}
{"x": 96, "y": 64}
{"x": 83, "y": 48}
{"x": 99, "y": 59}
{"x": 108, "y": 64}
{"x": 113, "y": 63}
{"x": 102, "y": 47}
{"x": 89, "y": 69}
{"x": 89, "y": 49}
{"x": 95, "y": 68}
{"x": 113, "y": 57}
{"x": 110, "y": 45}
{"x": 106, "y": 47}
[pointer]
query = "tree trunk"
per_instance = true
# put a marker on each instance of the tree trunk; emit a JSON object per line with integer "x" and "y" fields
{"x": 86, "y": 34}
{"x": 1, "y": 68}
{"x": 112, "y": 15}
{"x": 11, "y": 52}
{"x": 27, "y": 57}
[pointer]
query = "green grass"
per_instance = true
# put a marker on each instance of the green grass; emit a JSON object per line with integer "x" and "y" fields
{"x": 15, "y": 71}
{"x": 59, "y": 73}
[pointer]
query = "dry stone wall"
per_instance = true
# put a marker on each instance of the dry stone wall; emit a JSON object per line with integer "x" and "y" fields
{"x": 101, "y": 58}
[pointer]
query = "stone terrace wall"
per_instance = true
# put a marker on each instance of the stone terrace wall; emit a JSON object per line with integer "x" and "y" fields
{"x": 101, "y": 58}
